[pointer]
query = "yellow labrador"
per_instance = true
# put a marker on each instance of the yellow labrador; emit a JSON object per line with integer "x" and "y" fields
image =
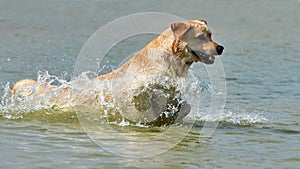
{"x": 169, "y": 55}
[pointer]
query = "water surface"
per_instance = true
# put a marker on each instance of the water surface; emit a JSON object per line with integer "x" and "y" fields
{"x": 260, "y": 125}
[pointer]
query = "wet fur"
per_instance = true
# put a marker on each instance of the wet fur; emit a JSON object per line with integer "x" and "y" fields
{"x": 167, "y": 55}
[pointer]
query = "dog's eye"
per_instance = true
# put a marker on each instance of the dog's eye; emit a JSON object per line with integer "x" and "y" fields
{"x": 201, "y": 37}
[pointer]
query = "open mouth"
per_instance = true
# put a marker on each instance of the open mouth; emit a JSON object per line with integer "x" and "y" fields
{"x": 203, "y": 57}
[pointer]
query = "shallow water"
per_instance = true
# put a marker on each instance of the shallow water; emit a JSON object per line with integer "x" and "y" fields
{"x": 260, "y": 127}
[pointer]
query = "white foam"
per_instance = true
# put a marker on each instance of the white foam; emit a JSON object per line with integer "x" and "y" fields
{"x": 196, "y": 92}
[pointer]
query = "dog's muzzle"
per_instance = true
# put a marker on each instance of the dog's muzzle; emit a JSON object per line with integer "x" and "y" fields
{"x": 206, "y": 58}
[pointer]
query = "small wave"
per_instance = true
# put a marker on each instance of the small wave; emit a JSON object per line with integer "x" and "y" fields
{"x": 233, "y": 118}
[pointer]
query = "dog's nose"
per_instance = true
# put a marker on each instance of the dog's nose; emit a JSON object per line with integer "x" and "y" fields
{"x": 219, "y": 49}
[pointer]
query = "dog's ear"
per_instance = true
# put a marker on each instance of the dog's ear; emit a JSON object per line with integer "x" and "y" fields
{"x": 179, "y": 29}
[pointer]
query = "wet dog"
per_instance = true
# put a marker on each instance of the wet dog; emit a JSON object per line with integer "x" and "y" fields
{"x": 169, "y": 55}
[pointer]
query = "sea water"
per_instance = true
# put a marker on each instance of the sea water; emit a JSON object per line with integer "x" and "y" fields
{"x": 259, "y": 127}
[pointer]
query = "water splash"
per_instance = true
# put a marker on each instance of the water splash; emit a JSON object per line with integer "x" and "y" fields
{"x": 14, "y": 106}
{"x": 84, "y": 91}
{"x": 241, "y": 118}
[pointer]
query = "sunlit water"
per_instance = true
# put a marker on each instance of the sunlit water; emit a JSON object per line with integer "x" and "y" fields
{"x": 259, "y": 127}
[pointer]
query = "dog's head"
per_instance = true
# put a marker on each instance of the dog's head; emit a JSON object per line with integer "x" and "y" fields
{"x": 192, "y": 40}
